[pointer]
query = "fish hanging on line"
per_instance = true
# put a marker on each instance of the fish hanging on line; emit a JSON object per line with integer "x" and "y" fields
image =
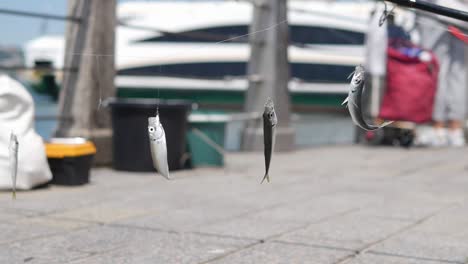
{"x": 269, "y": 126}
{"x": 13, "y": 161}
{"x": 353, "y": 100}
{"x": 158, "y": 146}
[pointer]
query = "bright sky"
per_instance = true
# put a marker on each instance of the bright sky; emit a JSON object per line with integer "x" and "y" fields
{"x": 16, "y": 30}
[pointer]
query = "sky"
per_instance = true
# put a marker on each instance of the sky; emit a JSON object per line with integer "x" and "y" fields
{"x": 16, "y": 30}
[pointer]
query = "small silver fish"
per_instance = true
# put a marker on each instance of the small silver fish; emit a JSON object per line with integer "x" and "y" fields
{"x": 158, "y": 146}
{"x": 269, "y": 125}
{"x": 353, "y": 100}
{"x": 13, "y": 161}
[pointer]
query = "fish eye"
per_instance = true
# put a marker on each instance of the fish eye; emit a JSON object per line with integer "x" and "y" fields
{"x": 151, "y": 129}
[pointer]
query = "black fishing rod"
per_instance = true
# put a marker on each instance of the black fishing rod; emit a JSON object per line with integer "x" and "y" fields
{"x": 433, "y": 8}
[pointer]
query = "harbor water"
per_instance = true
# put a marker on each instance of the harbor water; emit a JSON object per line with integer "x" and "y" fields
{"x": 46, "y": 111}
{"x": 312, "y": 129}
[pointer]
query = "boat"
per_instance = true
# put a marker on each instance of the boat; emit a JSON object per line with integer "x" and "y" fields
{"x": 199, "y": 50}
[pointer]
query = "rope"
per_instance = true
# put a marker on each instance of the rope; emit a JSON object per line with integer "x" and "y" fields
{"x": 208, "y": 141}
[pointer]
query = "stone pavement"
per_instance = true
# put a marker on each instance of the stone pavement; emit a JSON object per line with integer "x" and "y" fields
{"x": 343, "y": 204}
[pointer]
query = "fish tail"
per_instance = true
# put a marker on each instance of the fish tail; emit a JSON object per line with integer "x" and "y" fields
{"x": 345, "y": 102}
{"x": 267, "y": 177}
{"x": 13, "y": 195}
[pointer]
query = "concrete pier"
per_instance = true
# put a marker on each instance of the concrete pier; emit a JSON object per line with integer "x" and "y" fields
{"x": 346, "y": 204}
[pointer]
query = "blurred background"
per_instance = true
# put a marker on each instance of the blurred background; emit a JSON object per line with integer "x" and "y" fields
{"x": 85, "y": 75}
{"x": 199, "y": 51}
{"x": 325, "y": 47}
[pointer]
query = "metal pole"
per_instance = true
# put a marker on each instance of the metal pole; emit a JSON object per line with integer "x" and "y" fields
{"x": 268, "y": 72}
{"x": 433, "y": 8}
{"x": 39, "y": 15}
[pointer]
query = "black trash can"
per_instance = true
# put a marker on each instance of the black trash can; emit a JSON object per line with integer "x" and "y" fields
{"x": 131, "y": 149}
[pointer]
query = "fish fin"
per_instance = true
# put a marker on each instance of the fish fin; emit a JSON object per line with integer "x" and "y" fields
{"x": 345, "y": 101}
{"x": 386, "y": 123}
{"x": 267, "y": 177}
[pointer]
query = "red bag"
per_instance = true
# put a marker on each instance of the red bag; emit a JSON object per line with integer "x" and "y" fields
{"x": 410, "y": 87}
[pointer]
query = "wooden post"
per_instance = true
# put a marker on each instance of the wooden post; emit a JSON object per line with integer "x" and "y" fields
{"x": 268, "y": 72}
{"x": 90, "y": 49}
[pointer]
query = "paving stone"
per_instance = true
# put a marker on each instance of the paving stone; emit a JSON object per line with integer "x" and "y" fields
{"x": 352, "y": 231}
{"x": 451, "y": 223}
{"x": 186, "y": 219}
{"x": 424, "y": 245}
{"x": 39, "y": 251}
{"x": 250, "y": 226}
{"x": 322, "y": 204}
{"x": 128, "y": 245}
{"x": 280, "y": 253}
{"x": 12, "y": 215}
{"x": 100, "y": 213}
{"x": 411, "y": 210}
{"x": 26, "y": 228}
{"x": 390, "y": 259}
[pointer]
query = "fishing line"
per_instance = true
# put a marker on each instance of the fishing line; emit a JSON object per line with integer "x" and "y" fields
{"x": 158, "y": 98}
{"x": 198, "y": 47}
{"x": 417, "y": 19}
{"x": 438, "y": 26}
{"x": 98, "y": 69}
{"x": 253, "y": 33}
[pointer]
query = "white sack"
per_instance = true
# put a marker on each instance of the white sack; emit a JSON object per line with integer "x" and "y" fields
{"x": 17, "y": 115}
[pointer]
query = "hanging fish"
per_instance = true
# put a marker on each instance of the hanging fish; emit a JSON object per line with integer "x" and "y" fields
{"x": 353, "y": 100}
{"x": 269, "y": 125}
{"x": 158, "y": 145}
{"x": 13, "y": 161}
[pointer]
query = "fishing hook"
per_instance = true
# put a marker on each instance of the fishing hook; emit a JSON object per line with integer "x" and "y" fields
{"x": 385, "y": 14}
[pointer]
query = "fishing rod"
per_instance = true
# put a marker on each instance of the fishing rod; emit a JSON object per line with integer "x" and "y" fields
{"x": 432, "y": 8}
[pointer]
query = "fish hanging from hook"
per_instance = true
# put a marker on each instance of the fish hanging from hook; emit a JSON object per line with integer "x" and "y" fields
{"x": 158, "y": 146}
{"x": 354, "y": 102}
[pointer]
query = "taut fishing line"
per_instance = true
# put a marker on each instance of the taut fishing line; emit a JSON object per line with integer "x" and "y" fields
{"x": 417, "y": 20}
{"x": 160, "y": 66}
{"x": 199, "y": 47}
{"x": 98, "y": 69}
{"x": 438, "y": 26}
{"x": 158, "y": 98}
